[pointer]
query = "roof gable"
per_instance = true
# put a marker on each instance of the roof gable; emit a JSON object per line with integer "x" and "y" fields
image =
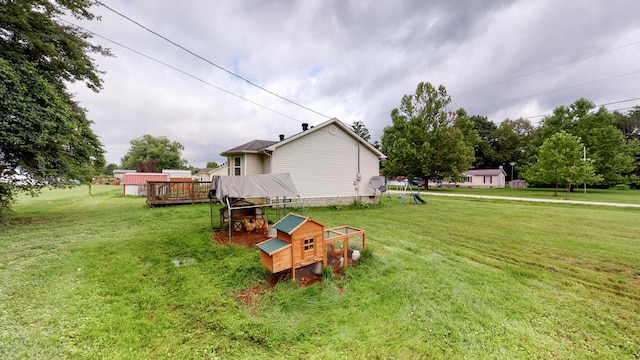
{"x": 327, "y": 123}
{"x": 291, "y": 222}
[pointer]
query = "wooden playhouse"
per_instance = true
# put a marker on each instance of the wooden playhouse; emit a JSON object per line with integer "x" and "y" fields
{"x": 301, "y": 241}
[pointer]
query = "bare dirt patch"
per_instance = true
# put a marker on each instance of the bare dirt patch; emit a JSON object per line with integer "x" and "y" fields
{"x": 241, "y": 238}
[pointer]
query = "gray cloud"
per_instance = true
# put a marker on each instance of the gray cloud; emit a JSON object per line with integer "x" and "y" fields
{"x": 350, "y": 59}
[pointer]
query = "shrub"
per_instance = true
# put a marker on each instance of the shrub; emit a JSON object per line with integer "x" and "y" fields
{"x": 620, "y": 187}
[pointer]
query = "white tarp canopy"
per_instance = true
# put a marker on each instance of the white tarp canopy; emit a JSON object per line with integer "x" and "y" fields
{"x": 254, "y": 186}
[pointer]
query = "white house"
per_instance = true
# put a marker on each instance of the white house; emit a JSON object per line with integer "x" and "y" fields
{"x": 485, "y": 178}
{"x": 328, "y": 163}
{"x": 206, "y": 174}
{"x": 479, "y": 178}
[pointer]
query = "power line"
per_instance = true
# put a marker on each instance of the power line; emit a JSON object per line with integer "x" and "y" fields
{"x": 547, "y": 68}
{"x": 212, "y": 63}
{"x": 609, "y": 103}
{"x": 182, "y": 71}
{"x": 556, "y": 90}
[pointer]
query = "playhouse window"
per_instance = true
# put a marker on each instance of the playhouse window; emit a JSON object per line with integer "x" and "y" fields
{"x": 308, "y": 244}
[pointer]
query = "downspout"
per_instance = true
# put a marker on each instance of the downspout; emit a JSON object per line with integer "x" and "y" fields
{"x": 264, "y": 152}
{"x": 230, "y": 223}
{"x": 358, "y": 176}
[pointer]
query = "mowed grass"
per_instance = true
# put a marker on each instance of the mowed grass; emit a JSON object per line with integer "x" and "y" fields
{"x": 104, "y": 276}
{"x": 594, "y": 195}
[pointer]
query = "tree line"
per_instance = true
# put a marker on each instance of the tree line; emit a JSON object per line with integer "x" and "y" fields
{"x": 576, "y": 144}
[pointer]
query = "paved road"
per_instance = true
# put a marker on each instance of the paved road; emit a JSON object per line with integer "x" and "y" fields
{"x": 559, "y": 201}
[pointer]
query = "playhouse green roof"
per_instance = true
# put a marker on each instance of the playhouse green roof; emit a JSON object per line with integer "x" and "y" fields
{"x": 272, "y": 245}
{"x": 288, "y": 223}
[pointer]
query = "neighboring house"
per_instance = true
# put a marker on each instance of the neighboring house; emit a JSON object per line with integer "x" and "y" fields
{"x": 207, "y": 174}
{"x": 118, "y": 174}
{"x": 328, "y": 163}
{"x": 479, "y": 178}
{"x": 135, "y": 184}
{"x": 178, "y": 175}
{"x": 485, "y": 178}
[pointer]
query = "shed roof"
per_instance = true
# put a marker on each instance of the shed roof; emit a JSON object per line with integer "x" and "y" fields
{"x": 142, "y": 178}
{"x": 272, "y": 245}
{"x": 291, "y": 222}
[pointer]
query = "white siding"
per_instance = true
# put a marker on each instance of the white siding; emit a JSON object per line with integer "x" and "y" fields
{"x": 266, "y": 164}
{"x": 252, "y": 164}
{"x": 324, "y": 163}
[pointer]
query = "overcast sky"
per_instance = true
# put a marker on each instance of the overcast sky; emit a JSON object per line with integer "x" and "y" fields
{"x": 353, "y": 60}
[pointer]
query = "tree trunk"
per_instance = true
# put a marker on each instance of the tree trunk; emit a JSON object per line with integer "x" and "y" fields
{"x": 556, "y": 192}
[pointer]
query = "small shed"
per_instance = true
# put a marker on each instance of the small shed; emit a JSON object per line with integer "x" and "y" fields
{"x": 135, "y": 184}
{"x": 299, "y": 242}
{"x": 240, "y": 210}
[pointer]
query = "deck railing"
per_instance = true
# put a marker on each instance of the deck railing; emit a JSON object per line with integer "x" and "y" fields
{"x": 175, "y": 192}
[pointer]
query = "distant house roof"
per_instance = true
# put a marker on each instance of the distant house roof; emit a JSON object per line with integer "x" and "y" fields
{"x": 291, "y": 222}
{"x": 208, "y": 170}
{"x": 204, "y": 170}
{"x": 485, "y": 172}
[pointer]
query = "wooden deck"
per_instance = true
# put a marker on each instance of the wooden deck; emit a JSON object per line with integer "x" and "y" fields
{"x": 173, "y": 193}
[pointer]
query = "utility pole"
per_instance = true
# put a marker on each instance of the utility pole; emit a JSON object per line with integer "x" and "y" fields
{"x": 512, "y": 164}
{"x": 584, "y": 158}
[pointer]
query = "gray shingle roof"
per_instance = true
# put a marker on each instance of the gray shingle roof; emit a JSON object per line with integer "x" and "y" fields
{"x": 251, "y": 146}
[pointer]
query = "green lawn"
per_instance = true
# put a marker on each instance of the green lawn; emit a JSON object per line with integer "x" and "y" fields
{"x": 104, "y": 276}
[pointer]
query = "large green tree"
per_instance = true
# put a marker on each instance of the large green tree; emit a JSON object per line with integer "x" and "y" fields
{"x": 513, "y": 142}
{"x": 485, "y": 156}
{"x": 560, "y": 161}
{"x": 629, "y": 124}
{"x": 605, "y": 144}
{"x": 422, "y": 140}
{"x": 154, "y": 153}
{"x": 43, "y": 131}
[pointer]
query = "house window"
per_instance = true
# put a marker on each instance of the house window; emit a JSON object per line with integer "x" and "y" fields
{"x": 307, "y": 245}
{"x": 469, "y": 179}
{"x": 484, "y": 179}
{"x": 237, "y": 168}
